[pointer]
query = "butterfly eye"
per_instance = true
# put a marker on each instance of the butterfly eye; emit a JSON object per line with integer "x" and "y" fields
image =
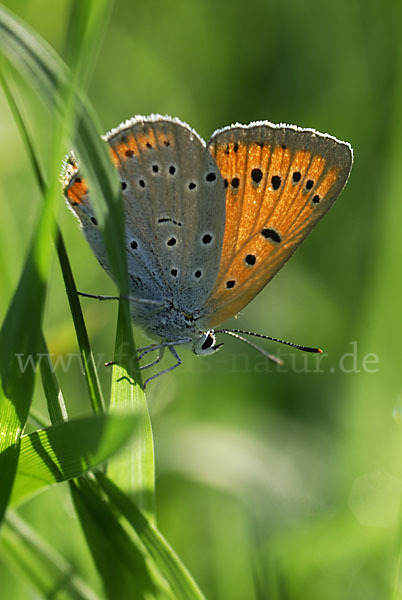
{"x": 206, "y": 344}
{"x": 95, "y": 221}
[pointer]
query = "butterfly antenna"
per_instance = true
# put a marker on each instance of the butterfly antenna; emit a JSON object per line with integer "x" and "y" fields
{"x": 234, "y": 333}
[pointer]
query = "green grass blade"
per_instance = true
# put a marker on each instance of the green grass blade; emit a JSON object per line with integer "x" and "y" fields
{"x": 67, "y": 450}
{"x": 22, "y": 122}
{"x": 46, "y": 72}
{"x": 91, "y": 375}
{"x": 92, "y": 379}
{"x": 36, "y": 419}
{"x": 121, "y": 565}
{"x": 20, "y": 336}
{"x": 166, "y": 560}
{"x": 133, "y": 470}
{"x": 54, "y": 396}
{"x": 86, "y": 27}
{"x": 40, "y": 563}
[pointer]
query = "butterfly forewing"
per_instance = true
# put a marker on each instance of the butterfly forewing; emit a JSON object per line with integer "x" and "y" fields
{"x": 174, "y": 204}
{"x": 280, "y": 181}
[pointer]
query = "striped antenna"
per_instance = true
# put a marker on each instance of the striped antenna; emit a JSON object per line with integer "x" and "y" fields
{"x": 235, "y": 332}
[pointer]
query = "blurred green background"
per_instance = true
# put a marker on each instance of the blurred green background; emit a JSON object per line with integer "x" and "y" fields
{"x": 271, "y": 483}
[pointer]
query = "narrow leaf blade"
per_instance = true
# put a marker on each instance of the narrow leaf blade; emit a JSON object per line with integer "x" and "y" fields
{"x": 69, "y": 449}
{"x": 120, "y": 563}
{"x": 164, "y": 557}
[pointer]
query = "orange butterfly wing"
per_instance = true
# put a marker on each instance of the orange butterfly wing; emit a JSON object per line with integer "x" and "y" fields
{"x": 280, "y": 181}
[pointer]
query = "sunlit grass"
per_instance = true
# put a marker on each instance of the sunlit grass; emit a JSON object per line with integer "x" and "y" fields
{"x": 268, "y": 484}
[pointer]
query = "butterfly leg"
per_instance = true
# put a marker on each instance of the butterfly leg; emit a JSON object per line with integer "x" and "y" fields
{"x": 129, "y": 298}
{"x": 154, "y": 362}
{"x": 178, "y": 363}
{"x": 141, "y": 352}
{"x": 145, "y": 349}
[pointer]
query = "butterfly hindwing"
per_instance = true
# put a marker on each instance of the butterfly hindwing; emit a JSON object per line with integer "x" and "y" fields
{"x": 280, "y": 181}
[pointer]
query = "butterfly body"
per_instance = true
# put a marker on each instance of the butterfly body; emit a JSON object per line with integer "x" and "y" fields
{"x": 208, "y": 225}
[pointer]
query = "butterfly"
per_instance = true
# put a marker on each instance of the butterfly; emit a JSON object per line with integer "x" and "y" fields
{"x": 208, "y": 225}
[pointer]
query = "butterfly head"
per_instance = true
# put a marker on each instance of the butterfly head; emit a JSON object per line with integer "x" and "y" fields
{"x": 206, "y": 344}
